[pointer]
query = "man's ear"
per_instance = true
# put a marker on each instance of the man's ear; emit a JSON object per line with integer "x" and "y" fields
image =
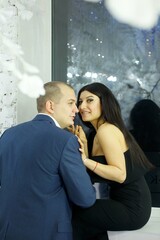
{"x": 50, "y": 106}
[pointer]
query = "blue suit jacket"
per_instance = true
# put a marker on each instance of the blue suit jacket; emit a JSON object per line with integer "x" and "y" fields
{"x": 41, "y": 175}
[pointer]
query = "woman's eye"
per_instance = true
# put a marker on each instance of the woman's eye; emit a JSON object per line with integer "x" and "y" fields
{"x": 89, "y": 100}
{"x": 86, "y": 101}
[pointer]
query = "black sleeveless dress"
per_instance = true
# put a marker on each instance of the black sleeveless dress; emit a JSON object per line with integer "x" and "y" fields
{"x": 128, "y": 208}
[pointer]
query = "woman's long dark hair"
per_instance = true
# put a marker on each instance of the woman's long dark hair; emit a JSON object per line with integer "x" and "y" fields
{"x": 111, "y": 113}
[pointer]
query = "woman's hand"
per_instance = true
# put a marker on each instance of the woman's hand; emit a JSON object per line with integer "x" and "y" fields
{"x": 82, "y": 149}
{"x": 79, "y": 132}
{"x": 71, "y": 129}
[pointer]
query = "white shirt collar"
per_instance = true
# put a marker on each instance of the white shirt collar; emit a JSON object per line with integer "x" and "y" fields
{"x": 54, "y": 120}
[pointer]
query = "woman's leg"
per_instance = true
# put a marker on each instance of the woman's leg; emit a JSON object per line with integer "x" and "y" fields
{"x": 93, "y": 223}
{"x": 83, "y": 230}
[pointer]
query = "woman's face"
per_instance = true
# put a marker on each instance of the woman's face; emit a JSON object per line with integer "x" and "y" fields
{"x": 89, "y": 107}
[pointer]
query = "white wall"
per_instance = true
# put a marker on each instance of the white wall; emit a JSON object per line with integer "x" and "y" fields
{"x": 35, "y": 38}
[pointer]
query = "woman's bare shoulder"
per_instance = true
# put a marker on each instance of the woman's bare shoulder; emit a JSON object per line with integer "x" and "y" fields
{"x": 107, "y": 128}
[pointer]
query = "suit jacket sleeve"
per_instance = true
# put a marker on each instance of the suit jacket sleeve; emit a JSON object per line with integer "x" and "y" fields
{"x": 75, "y": 177}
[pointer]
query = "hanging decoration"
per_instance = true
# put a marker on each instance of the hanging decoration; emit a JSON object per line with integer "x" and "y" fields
{"x": 28, "y": 80}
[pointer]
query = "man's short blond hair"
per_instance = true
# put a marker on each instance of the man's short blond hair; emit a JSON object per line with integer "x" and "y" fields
{"x": 52, "y": 92}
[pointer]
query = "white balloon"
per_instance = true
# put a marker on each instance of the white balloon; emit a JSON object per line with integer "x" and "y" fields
{"x": 137, "y": 13}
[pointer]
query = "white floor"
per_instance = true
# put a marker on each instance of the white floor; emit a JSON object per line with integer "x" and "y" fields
{"x": 151, "y": 231}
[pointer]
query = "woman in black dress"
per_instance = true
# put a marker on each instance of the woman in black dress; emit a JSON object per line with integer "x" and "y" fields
{"x": 114, "y": 157}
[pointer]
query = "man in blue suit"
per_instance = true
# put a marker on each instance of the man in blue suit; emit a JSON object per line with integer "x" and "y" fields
{"x": 41, "y": 171}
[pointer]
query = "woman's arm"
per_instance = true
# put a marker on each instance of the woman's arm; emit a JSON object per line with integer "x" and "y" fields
{"x": 113, "y": 145}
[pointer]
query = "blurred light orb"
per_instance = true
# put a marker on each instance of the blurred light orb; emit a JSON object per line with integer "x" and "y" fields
{"x": 143, "y": 14}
